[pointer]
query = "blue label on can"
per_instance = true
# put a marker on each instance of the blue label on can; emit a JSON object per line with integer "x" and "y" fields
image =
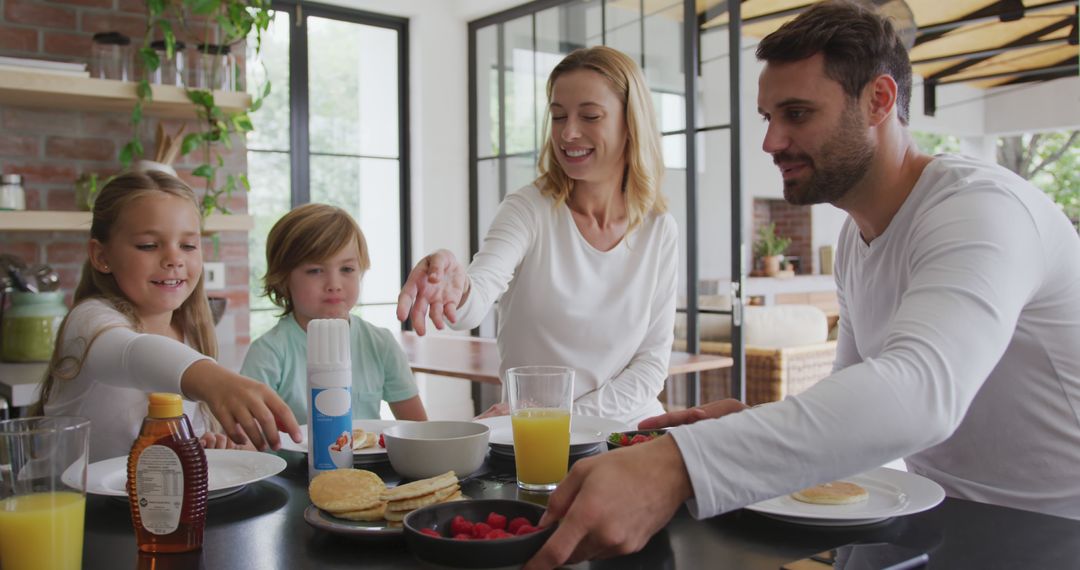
{"x": 331, "y": 428}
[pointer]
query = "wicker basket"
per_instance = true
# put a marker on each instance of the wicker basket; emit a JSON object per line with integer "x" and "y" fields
{"x": 771, "y": 373}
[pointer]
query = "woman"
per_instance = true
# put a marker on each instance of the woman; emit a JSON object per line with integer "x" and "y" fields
{"x": 585, "y": 258}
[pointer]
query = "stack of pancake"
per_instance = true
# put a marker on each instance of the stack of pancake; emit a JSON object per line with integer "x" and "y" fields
{"x": 359, "y": 495}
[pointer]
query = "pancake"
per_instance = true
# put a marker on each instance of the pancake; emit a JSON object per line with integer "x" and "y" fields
{"x": 833, "y": 493}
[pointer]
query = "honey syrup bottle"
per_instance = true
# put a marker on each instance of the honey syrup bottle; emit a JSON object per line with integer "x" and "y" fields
{"x": 167, "y": 480}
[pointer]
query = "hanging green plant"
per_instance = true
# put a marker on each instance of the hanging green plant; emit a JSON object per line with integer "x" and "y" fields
{"x": 234, "y": 21}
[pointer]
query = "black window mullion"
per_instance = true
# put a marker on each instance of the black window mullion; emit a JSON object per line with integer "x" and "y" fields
{"x": 299, "y": 138}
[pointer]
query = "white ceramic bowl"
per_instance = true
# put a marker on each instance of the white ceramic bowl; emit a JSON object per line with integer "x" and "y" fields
{"x": 419, "y": 450}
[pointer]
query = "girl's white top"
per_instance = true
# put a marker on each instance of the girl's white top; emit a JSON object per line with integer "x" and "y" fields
{"x": 117, "y": 374}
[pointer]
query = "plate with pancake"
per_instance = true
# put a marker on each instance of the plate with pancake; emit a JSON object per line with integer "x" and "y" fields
{"x": 586, "y": 433}
{"x": 229, "y": 471}
{"x": 891, "y": 493}
{"x": 371, "y": 452}
{"x": 356, "y": 502}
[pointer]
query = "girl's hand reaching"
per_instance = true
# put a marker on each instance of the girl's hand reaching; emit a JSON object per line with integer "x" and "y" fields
{"x": 248, "y": 410}
{"x": 437, "y": 285}
{"x": 211, "y": 440}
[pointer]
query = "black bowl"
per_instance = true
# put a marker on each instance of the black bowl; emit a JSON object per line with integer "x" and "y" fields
{"x": 630, "y": 434}
{"x": 447, "y": 551}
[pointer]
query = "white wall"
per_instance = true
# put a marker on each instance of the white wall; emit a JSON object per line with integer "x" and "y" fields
{"x": 1032, "y": 107}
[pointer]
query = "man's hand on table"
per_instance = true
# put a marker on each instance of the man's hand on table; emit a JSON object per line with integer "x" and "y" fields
{"x": 712, "y": 410}
{"x": 612, "y": 504}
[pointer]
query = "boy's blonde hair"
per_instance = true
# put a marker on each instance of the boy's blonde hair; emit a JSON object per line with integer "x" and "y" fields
{"x": 309, "y": 233}
{"x": 644, "y": 159}
{"x": 193, "y": 317}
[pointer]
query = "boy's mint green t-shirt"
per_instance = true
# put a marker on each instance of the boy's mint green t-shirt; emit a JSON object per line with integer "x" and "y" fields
{"x": 380, "y": 369}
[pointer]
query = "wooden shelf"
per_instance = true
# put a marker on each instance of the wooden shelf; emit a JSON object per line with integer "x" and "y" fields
{"x": 28, "y": 89}
{"x": 49, "y": 221}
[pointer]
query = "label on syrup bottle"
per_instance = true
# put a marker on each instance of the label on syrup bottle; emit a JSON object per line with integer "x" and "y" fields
{"x": 159, "y": 486}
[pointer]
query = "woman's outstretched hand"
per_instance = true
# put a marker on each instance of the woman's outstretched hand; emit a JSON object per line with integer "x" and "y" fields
{"x": 437, "y": 285}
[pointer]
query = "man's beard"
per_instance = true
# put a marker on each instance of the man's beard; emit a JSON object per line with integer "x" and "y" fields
{"x": 845, "y": 159}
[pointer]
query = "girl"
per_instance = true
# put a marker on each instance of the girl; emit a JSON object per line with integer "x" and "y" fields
{"x": 141, "y": 323}
{"x": 585, "y": 258}
{"x": 316, "y": 256}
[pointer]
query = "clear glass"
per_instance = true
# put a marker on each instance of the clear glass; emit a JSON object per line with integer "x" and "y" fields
{"x": 170, "y": 71}
{"x": 487, "y": 92}
{"x": 212, "y": 70}
{"x": 540, "y": 402}
{"x": 520, "y": 81}
{"x": 43, "y": 463}
{"x": 110, "y": 61}
{"x": 269, "y": 174}
{"x": 353, "y": 88}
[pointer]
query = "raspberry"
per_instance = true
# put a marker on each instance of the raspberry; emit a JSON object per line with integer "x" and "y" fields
{"x": 460, "y": 526}
{"x": 497, "y": 533}
{"x": 480, "y": 530}
{"x": 463, "y": 536}
{"x": 495, "y": 520}
{"x": 526, "y": 529}
{"x": 516, "y": 524}
{"x": 430, "y": 532}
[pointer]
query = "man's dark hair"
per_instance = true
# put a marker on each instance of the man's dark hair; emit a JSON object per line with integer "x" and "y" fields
{"x": 858, "y": 45}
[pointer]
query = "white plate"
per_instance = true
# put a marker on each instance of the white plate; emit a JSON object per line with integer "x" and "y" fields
{"x": 321, "y": 519}
{"x": 229, "y": 470}
{"x": 374, "y": 453}
{"x": 892, "y": 494}
{"x": 585, "y": 432}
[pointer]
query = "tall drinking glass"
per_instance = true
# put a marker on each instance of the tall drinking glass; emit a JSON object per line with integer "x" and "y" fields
{"x": 540, "y": 402}
{"x": 43, "y": 492}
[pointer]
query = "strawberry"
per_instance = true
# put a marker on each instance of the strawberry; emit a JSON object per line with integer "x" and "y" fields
{"x": 516, "y": 524}
{"x": 495, "y": 520}
{"x": 430, "y": 532}
{"x": 624, "y": 440}
{"x": 481, "y": 530}
{"x": 639, "y": 438}
{"x": 382, "y": 442}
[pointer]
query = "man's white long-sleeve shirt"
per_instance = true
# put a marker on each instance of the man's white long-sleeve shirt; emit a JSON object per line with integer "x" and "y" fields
{"x": 608, "y": 314}
{"x": 959, "y": 349}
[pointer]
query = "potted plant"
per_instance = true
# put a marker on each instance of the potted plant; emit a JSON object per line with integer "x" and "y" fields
{"x": 770, "y": 248}
{"x": 232, "y": 21}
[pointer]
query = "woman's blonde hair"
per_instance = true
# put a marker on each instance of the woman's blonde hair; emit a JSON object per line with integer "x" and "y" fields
{"x": 309, "y": 233}
{"x": 193, "y": 317}
{"x": 644, "y": 160}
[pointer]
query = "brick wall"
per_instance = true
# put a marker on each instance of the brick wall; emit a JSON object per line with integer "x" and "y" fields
{"x": 791, "y": 222}
{"x": 50, "y": 148}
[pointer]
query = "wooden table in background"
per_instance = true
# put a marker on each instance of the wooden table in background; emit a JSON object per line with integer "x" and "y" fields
{"x": 477, "y": 359}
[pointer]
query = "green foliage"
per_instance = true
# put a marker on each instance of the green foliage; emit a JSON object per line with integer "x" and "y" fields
{"x": 1051, "y": 161}
{"x": 235, "y": 21}
{"x": 768, "y": 243}
{"x": 933, "y": 143}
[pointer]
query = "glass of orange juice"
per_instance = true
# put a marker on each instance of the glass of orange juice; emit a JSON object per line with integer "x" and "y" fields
{"x": 540, "y": 401}
{"x": 43, "y": 464}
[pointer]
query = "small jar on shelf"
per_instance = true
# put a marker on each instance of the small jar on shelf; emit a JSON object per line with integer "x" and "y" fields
{"x": 12, "y": 195}
{"x": 213, "y": 68}
{"x": 170, "y": 71}
{"x": 110, "y": 56}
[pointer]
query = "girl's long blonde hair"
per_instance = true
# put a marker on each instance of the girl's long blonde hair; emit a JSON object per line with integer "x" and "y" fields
{"x": 644, "y": 160}
{"x": 193, "y": 317}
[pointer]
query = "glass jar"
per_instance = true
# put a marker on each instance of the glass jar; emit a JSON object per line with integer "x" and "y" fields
{"x": 170, "y": 71}
{"x": 110, "y": 56}
{"x": 12, "y": 195}
{"x": 30, "y": 325}
{"x": 213, "y": 68}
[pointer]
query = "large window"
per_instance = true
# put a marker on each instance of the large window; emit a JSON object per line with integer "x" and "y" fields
{"x": 333, "y": 130}
{"x": 683, "y": 47}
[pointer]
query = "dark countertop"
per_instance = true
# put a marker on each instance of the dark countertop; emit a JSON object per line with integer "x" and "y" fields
{"x": 263, "y": 527}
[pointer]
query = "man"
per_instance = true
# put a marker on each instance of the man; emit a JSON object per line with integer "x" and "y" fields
{"x": 959, "y": 347}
